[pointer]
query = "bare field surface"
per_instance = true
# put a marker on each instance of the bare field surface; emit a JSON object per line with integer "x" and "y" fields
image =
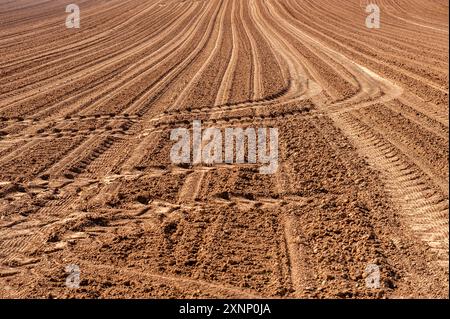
{"x": 86, "y": 177}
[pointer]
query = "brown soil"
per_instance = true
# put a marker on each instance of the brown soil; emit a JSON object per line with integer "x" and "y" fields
{"x": 86, "y": 177}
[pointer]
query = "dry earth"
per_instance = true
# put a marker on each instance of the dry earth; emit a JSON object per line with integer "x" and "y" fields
{"x": 86, "y": 178}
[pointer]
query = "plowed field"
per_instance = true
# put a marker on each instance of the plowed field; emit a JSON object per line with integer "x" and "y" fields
{"x": 86, "y": 177}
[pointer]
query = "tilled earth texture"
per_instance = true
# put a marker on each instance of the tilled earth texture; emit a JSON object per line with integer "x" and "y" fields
{"x": 86, "y": 179}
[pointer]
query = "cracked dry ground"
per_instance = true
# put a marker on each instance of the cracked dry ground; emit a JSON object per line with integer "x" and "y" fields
{"x": 85, "y": 174}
